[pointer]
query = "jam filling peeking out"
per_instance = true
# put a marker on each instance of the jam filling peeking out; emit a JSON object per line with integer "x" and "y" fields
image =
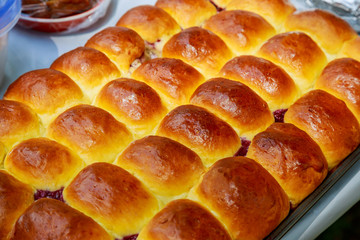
{"x": 58, "y": 194}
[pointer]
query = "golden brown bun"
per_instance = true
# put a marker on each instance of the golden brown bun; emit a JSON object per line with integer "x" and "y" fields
{"x": 18, "y": 122}
{"x": 120, "y": 44}
{"x": 242, "y": 31}
{"x": 341, "y": 78}
{"x": 167, "y": 167}
{"x": 327, "y": 29}
{"x": 46, "y": 91}
{"x": 274, "y": 11}
{"x": 207, "y": 135}
{"x": 268, "y": 80}
{"x": 244, "y": 197}
{"x": 298, "y": 54}
{"x": 199, "y": 48}
{"x": 351, "y": 49}
{"x": 152, "y": 23}
{"x": 236, "y": 104}
{"x": 15, "y": 197}
{"x": 43, "y": 163}
{"x": 184, "y": 220}
{"x": 292, "y": 158}
{"x": 52, "y": 219}
{"x": 329, "y": 122}
{"x": 134, "y": 103}
{"x": 89, "y": 68}
{"x": 91, "y": 132}
{"x": 113, "y": 197}
{"x": 188, "y": 13}
{"x": 173, "y": 79}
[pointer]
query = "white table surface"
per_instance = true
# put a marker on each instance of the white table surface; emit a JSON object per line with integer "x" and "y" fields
{"x": 29, "y": 50}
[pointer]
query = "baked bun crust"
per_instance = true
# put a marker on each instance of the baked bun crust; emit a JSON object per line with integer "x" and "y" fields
{"x": 322, "y": 26}
{"x": 341, "y": 78}
{"x": 351, "y": 49}
{"x": 46, "y": 91}
{"x": 167, "y": 167}
{"x": 184, "y": 220}
{"x": 173, "y": 79}
{"x": 328, "y": 122}
{"x": 88, "y": 67}
{"x": 244, "y": 197}
{"x": 152, "y": 23}
{"x": 15, "y": 197}
{"x": 268, "y": 80}
{"x": 221, "y": 3}
{"x": 17, "y": 122}
{"x": 274, "y": 11}
{"x": 113, "y": 197}
{"x": 298, "y": 54}
{"x": 134, "y": 103}
{"x": 188, "y": 13}
{"x": 236, "y": 104}
{"x": 292, "y": 158}
{"x": 91, "y": 132}
{"x": 203, "y": 132}
{"x": 120, "y": 44}
{"x": 58, "y": 164}
{"x": 189, "y": 46}
{"x": 52, "y": 219}
{"x": 242, "y": 31}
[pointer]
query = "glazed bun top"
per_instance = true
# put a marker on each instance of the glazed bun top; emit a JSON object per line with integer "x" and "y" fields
{"x": 200, "y": 48}
{"x": 188, "y": 13}
{"x": 152, "y": 23}
{"x": 322, "y": 26}
{"x": 274, "y": 11}
{"x": 120, "y": 44}
{"x": 242, "y": 31}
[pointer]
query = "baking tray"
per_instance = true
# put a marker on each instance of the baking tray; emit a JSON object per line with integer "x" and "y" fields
{"x": 29, "y": 50}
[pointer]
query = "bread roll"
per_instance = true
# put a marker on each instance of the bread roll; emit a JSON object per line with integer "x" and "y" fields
{"x": 134, "y": 103}
{"x": 113, "y": 197}
{"x": 91, "y": 132}
{"x": 292, "y": 158}
{"x": 46, "y": 91}
{"x": 242, "y": 31}
{"x": 188, "y": 13}
{"x": 341, "y": 78}
{"x": 236, "y": 104}
{"x": 120, "y": 44}
{"x": 52, "y": 219}
{"x": 168, "y": 168}
{"x": 15, "y": 197}
{"x": 184, "y": 220}
{"x": 17, "y": 122}
{"x": 327, "y": 29}
{"x": 328, "y": 122}
{"x": 43, "y": 163}
{"x": 201, "y": 131}
{"x": 274, "y": 11}
{"x": 351, "y": 49}
{"x": 173, "y": 79}
{"x": 298, "y": 54}
{"x": 152, "y": 23}
{"x": 268, "y": 80}
{"x": 244, "y": 197}
{"x": 199, "y": 48}
{"x": 89, "y": 68}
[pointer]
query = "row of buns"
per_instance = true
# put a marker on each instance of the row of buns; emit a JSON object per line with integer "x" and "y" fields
{"x": 190, "y": 119}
